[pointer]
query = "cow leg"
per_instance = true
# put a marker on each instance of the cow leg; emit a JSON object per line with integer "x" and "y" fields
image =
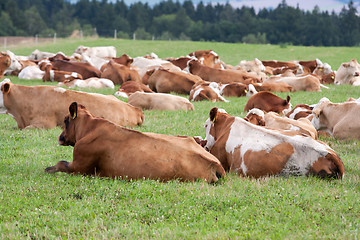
{"x": 61, "y": 166}
{"x": 40, "y": 125}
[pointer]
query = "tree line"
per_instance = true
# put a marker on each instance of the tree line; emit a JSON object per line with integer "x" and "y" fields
{"x": 169, "y": 20}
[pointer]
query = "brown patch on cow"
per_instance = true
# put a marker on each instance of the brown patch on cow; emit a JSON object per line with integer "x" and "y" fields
{"x": 328, "y": 167}
{"x": 264, "y": 163}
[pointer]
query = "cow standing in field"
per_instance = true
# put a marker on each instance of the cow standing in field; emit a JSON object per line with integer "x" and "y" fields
{"x": 105, "y": 149}
{"x": 255, "y": 151}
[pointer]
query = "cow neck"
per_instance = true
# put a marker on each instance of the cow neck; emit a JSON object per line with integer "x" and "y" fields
{"x": 223, "y": 121}
{"x": 85, "y": 123}
{"x": 15, "y": 103}
{"x": 335, "y": 111}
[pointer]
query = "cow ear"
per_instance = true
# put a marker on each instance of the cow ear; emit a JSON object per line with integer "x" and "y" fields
{"x": 213, "y": 113}
{"x": 5, "y": 88}
{"x": 73, "y": 110}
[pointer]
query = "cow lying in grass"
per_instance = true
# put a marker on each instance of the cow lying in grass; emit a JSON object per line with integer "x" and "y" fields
{"x": 255, "y": 151}
{"x": 105, "y": 149}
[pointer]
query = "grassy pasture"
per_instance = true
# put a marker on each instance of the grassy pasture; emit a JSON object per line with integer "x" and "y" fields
{"x": 38, "y": 205}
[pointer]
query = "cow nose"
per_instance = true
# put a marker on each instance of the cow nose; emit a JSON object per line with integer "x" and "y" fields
{"x": 61, "y": 138}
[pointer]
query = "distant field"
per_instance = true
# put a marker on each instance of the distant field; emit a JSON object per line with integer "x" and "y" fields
{"x": 38, "y": 205}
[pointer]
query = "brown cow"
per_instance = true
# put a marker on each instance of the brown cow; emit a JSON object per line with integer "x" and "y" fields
{"x": 46, "y": 106}
{"x": 130, "y": 87}
{"x": 206, "y": 57}
{"x": 255, "y": 151}
{"x": 273, "y": 87}
{"x": 85, "y": 69}
{"x": 267, "y": 102}
{"x": 237, "y": 90}
{"x": 220, "y": 76}
{"x": 119, "y": 73}
{"x": 166, "y": 81}
{"x": 104, "y": 149}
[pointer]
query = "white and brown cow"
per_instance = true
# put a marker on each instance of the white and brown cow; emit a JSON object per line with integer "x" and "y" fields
{"x": 46, "y": 106}
{"x": 254, "y": 151}
{"x": 105, "y": 149}
{"x": 274, "y": 121}
{"x": 267, "y": 102}
{"x": 301, "y": 111}
{"x": 209, "y": 91}
{"x": 337, "y": 119}
{"x": 237, "y": 90}
{"x": 159, "y": 101}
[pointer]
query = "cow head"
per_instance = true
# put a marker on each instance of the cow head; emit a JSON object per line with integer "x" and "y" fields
{"x": 319, "y": 120}
{"x": 5, "y": 61}
{"x": 251, "y": 91}
{"x": 5, "y": 89}
{"x": 287, "y": 106}
{"x": 68, "y": 136}
{"x": 346, "y": 72}
{"x": 255, "y": 116}
{"x": 81, "y": 49}
{"x": 216, "y": 116}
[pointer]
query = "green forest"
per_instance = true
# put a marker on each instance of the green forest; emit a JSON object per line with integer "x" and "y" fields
{"x": 170, "y": 20}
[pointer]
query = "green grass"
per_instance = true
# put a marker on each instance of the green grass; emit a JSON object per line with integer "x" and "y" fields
{"x": 36, "y": 205}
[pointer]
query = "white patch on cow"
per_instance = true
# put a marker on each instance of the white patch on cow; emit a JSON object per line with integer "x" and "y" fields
{"x": 294, "y": 128}
{"x": 196, "y": 93}
{"x": 66, "y": 76}
{"x": 318, "y": 62}
{"x": 300, "y": 69}
{"x": 255, "y": 138}
{"x": 296, "y": 111}
{"x": 201, "y": 60}
{"x": 216, "y": 88}
{"x": 107, "y": 83}
{"x": 222, "y": 88}
{"x": 74, "y": 74}
{"x": 287, "y": 110}
{"x": 2, "y": 105}
{"x": 153, "y": 55}
{"x": 260, "y": 64}
{"x": 256, "y": 111}
{"x": 251, "y": 91}
{"x": 52, "y": 75}
{"x": 80, "y": 83}
{"x": 221, "y": 110}
{"x": 210, "y": 140}
{"x": 213, "y": 53}
{"x": 59, "y": 89}
{"x": 14, "y": 63}
{"x": 31, "y": 72}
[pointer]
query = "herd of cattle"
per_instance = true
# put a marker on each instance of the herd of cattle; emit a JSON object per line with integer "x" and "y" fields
{"x": 273, "y": 139}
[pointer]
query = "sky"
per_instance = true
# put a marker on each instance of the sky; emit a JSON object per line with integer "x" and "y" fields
{"x": 324, "y": 5}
